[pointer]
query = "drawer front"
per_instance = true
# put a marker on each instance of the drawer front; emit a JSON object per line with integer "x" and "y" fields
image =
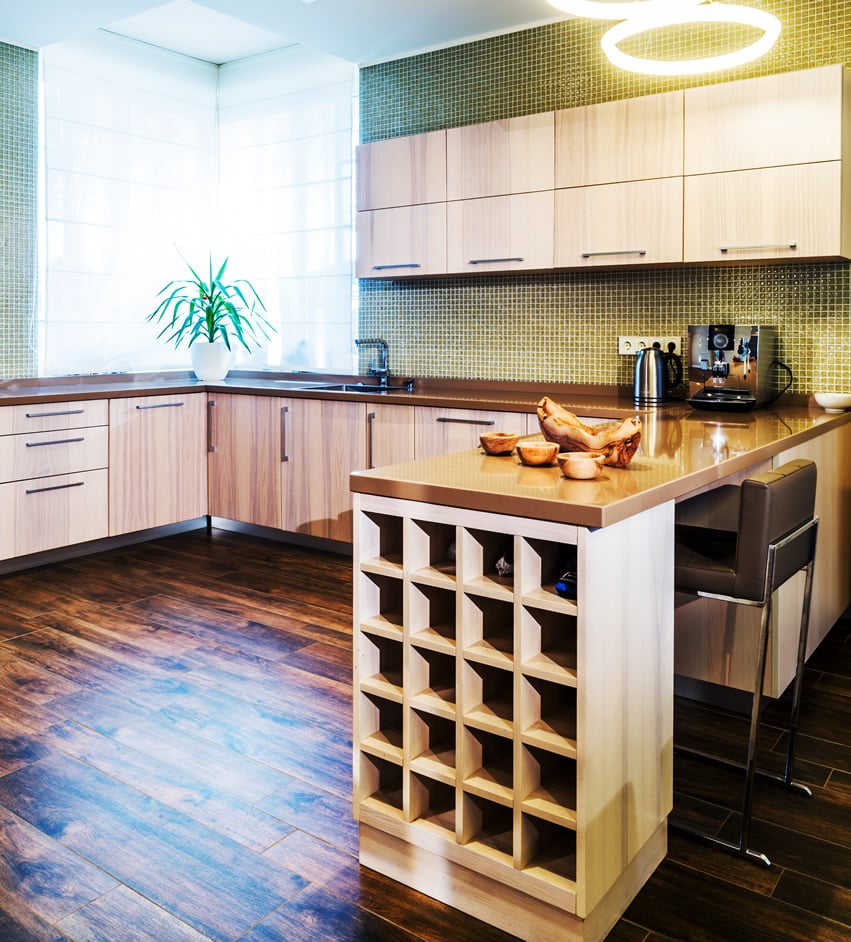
{"x": 443, "y": 431}
{"x": 57, "y": 452}
{"x": 46, "y": 416}
{"x": 52, "y": 512}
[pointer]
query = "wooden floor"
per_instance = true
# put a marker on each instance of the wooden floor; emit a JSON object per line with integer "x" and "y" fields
{"x": 175, "y": 755}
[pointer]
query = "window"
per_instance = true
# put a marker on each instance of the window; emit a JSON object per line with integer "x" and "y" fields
{"x": 149, "y": 155}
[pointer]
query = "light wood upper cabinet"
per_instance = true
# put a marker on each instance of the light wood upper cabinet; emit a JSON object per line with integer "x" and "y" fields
{"x": 408, "y": 240}
{"x": 500, "y": 157}
{"x": 244, "y": 458}
{"x": 402, "y": 171}
{"x": 500, "y": 233}
{"x": 324, "y": 441}
{"x": 442, "y": 431}
{"x": 620, "y": 223}
{"x": 788, "y": 213}
{"x": 630, "y": 139}
{"x": 789, "y": 118}
{"x": 157, "y": 461}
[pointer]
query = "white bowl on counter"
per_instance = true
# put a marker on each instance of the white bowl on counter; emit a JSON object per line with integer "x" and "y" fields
{"x": 833, "y": 401}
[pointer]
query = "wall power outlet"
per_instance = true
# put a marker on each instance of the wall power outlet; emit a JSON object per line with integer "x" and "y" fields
{"x": 627, "y": 345}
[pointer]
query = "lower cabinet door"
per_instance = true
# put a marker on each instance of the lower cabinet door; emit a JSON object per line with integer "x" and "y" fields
{"x": 324, "y": 441}
{"x": 244, "y": 457}
{"x": 46, "y": 513}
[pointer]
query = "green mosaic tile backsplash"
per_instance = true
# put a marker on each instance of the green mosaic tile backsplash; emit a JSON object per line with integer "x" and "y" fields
{"x": 563, "y": 326}
{"x": 18, "y": 209}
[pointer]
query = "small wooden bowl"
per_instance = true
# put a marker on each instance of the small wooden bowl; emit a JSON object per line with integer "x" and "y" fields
{"x": 581, "y": 465}
{"x": 537, "y": 453}
{"x": 498, "y": 443}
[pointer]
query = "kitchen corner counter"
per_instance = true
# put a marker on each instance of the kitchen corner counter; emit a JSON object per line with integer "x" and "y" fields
{"x": 682, "y": 451}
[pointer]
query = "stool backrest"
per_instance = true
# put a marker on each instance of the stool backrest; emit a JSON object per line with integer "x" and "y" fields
{"x": 774, "y": 504}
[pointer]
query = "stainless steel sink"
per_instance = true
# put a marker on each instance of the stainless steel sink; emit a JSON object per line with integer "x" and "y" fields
{"x": 297, "y": 384}
{"x": 363, "y": 388}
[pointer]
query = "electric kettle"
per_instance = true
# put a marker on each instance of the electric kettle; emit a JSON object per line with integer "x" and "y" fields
{"x": 656, "y": 375}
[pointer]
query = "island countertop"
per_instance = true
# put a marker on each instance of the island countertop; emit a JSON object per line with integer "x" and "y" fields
{"x": 682, "y": 451}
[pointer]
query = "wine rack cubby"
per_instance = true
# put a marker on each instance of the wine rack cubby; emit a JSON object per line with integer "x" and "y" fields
{"x": 501, "y": 729}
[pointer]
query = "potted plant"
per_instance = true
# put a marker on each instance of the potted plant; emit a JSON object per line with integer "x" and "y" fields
{"x": 210, "y": 315}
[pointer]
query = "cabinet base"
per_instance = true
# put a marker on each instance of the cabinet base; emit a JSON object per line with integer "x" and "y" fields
{"x": 513, "y": 911}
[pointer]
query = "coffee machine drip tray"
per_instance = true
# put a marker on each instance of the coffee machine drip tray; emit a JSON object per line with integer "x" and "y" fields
{"x": 725, "y": 398}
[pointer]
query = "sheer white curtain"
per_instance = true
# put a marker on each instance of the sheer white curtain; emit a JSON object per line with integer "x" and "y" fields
{"x": 129, "y": 173}
{"x": 148, "y": 153}
{"x": 285, "y": 152}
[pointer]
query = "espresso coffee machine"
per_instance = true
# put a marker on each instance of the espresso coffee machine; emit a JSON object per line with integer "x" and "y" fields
{"x": 730, "y": 367}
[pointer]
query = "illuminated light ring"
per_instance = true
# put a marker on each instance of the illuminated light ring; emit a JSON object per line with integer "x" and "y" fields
{"x": 713, "y": 13}
{"x": 596, "y": 10}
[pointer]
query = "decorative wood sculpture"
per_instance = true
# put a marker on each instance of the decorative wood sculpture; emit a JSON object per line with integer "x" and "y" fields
{"x": 618, "y": 441}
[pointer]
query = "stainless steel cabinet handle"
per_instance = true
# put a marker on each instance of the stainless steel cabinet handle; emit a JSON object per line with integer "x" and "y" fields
{"x": 161, "y": 405}
{"x": 615, "y": 252}
{"x": 443, "y": 418}
{"x": 58, "y": 441}
{"x": 370, "y": 422}
{"x": 48, "y": 415}
{"x": 211, "y": 405}
{"x": 485, "y": 261}
{"x": 284, "y": 455}
{"x": 758, "y": 245}
{"x": 399, "y": 265}
{"x": 55, "y": 487}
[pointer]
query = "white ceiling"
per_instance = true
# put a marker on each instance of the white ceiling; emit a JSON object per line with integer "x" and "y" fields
{"x": 360, "y": 31}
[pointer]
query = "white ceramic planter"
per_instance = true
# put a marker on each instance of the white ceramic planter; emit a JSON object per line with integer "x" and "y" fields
{"x": 211, "y": 361}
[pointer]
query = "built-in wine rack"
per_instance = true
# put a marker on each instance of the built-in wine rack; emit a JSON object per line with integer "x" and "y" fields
{"x": 470, "y": 718}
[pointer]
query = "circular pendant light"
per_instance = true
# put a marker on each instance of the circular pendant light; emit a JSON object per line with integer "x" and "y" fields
{"x": 666, "y": 15}
{"x": 601, "y": 10}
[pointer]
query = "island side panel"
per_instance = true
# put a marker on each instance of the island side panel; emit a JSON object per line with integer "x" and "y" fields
{"x": 625, "y": 702}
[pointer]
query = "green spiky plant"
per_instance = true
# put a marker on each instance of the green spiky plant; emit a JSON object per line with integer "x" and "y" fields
{"x": 209, "y": 310}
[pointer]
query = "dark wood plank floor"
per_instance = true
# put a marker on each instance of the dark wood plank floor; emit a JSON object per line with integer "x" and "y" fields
{"x": 175, "y": 764}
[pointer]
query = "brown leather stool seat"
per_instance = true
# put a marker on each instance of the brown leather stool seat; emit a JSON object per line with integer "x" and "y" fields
{"x": 757, "y": 537}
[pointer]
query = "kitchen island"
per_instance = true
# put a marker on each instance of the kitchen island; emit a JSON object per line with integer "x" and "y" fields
{"x": 513, "y": 747}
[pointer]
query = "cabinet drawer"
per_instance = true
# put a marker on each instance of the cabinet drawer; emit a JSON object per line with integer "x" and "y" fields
{"x": 786, "y": 213}
{"x": 51, "y": 512}
{"x": 44, "y": 416}
{"x": 60, "y": 452}
{"x": 442, "y": 431}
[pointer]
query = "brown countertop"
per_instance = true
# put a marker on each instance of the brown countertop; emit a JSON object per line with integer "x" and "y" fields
{"x": 462, "y": 394}
{"x": 682, "y": 450}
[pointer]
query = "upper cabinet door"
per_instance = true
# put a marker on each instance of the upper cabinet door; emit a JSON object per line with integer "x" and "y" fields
{"x": 500, "y": 157}
{"x": 404, "y": 241}
{"x": 790, "y": 118}
{"x": 632, "y": 139}
{"x": 634, "y": 223}
{"x": 402, "y": 171}
{"x": 786, "y": 213}
{"x": 501, "y": 233}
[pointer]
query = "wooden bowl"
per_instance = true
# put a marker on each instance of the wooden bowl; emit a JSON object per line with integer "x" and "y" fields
{"x": 581, "y": 465}
{"x": 498, "y": 443}
{"x": 537, "y": 453}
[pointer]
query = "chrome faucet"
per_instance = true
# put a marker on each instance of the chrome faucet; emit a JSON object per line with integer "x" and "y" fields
{"x": 379, "y": 366}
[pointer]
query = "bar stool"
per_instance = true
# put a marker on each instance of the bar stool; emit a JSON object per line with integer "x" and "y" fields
{"x": 760, "y": 534}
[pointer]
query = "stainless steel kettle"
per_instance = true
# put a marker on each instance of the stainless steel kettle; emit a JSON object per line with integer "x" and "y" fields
{"x": 656, "y": 375}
